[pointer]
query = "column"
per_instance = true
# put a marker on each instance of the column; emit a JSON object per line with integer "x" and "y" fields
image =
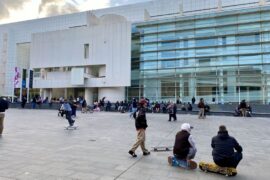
{"x": 221, "y": 87}
{"x": 89, "y": 95}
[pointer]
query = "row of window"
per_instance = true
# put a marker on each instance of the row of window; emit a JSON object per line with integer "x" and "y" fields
{"x": 206, "y": 42}
{"x": 209, "y": 22}
{"x": 255, "y": 71}
{"x": 223, "y": 40}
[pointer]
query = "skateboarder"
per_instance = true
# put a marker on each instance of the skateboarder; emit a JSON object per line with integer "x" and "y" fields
{"x": 224, "y": 147}
{"x": 68, "y": 112}
{"x": 141, "y": 125}
{"x": 3, "y": 108}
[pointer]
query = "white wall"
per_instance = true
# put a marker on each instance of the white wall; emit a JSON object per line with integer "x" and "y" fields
{"x": 112, "y": 94}
{"x": 109, "y": 45}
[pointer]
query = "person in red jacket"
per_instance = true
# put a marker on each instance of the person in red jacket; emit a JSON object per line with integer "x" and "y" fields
{"x": 141, "y": 125}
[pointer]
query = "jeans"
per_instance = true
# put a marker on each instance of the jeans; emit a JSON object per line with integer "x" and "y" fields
{"x": 230, "y": 162}
{"x": 191, "y": 154}
{"x": 68, "y": 117}
{"x": 134, "y": 110}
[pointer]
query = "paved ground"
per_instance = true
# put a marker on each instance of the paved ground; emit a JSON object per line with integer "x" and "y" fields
{"x": 35, "y": 145}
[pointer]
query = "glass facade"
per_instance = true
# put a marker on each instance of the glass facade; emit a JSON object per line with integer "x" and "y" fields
{"x": 223, "y": 57}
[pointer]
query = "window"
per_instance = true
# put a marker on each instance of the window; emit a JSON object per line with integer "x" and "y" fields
{"x": 248, "y": 38}
{"x": 86, "y": 51}
{"x": 206, "y": 42}
{"x": 224, "y": 40}
{"x": 185, "y": 43}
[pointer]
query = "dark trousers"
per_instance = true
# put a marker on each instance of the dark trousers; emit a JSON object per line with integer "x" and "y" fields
{"x": 68, "y": 117}
{"x": 172, "y": 116}
{"x": 230, "y": 162}
{"x": 73, "y": 112}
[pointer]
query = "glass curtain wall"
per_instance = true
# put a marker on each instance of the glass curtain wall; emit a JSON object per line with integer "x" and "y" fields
{"x": 222, "y": 57}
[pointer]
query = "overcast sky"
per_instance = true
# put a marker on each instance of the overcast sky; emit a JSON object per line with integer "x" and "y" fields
{"x": 19, "y": 10}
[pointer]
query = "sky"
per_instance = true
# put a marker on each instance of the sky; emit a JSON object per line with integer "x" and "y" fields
{"x": 20, "y": 10}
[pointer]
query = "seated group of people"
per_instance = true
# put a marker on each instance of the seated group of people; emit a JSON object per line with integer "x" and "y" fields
{"x": 226, "y": 150}
{"x": 243, "y": 109}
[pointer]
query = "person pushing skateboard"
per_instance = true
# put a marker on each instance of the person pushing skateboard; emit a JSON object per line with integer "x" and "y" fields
{"x": 141, "y": 125}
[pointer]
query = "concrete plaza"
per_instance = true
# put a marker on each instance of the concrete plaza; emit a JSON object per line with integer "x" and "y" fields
{"x": 35, "y": 145}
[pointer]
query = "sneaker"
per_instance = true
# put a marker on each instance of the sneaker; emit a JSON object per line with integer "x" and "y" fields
{"x": 132, "y": 153}
{"x": 146, "y": 153}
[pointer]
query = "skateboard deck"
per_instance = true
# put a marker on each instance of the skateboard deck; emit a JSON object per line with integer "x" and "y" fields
{"x": 182, "y": 163}
{"x": 71, "y": 127}
{"x": 212, "y": 167}
{"x": 162, "y": 148}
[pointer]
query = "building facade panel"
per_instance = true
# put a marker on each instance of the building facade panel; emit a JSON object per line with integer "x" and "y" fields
{"x": 221, "y": 57}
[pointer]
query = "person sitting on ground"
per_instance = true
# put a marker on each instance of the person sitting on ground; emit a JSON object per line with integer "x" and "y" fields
{"x": 141, "y": 125}
{"x": 183, "y": 107}
{"x": 243, "y": 108}
{"x": 189, "y": 106}
{"x": 224, "y": 147}
{"x": 206, "y": 109}
{"x": 249, "y": 111}
{"x": 184, "y": 146}
{"x": 237, "y": 111}
{"x": 68, "y": 112}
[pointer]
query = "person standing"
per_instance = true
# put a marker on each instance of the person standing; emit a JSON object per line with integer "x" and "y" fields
{"x": 172, "y": 109}
{"x": 84, "y": 106}
{"x": 141, "y": 125}
{"x": 201, "y": 107}
{"x": 3, "y": 108}
{"x": 134, "y": 108}
{"x": 224, "y": 147}
{"x": 193, "y": 100}
{"x": 24, "y": 100}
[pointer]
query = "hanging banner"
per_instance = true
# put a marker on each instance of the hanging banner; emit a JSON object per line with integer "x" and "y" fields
{"x": 24, "y": 78}
{"x": 17, "y": 78}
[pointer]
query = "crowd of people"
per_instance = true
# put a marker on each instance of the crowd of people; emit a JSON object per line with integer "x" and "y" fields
{"x": 226, "y": 150}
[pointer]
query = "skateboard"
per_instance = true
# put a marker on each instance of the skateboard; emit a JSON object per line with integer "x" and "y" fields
{"x": 212, "y": 167}
{"x": 162, "y": 148}
{"x": 182, "y": 163}
{"x": 71, "y": 127}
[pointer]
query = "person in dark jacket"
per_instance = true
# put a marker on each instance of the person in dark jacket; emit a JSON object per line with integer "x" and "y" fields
{"x": 141, "y": 125}
{"x": 3, "y": 108}
{"x": 224, "y": 147}
{"x": 24, "y": 100}
{"x": 201, "y": 107}
{"x": 184, "y": 146}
